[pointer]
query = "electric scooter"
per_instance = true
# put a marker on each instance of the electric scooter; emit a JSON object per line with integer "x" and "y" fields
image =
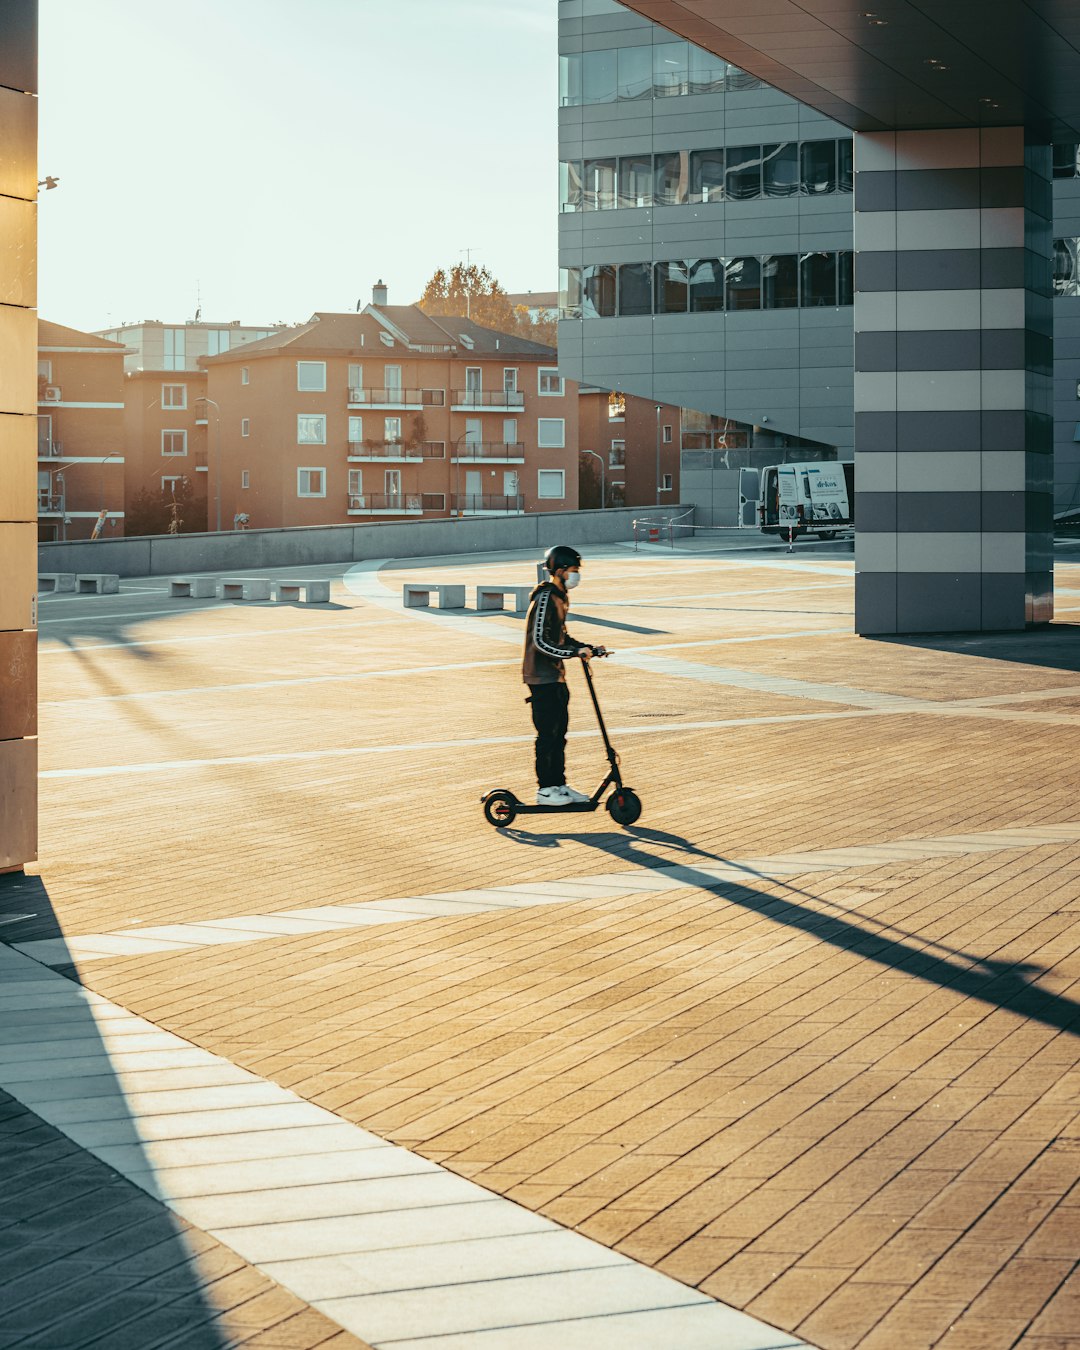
{"x": 501, "y": 805}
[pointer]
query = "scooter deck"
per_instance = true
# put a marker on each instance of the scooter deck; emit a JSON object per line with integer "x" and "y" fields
{"x": 525, "y": 808}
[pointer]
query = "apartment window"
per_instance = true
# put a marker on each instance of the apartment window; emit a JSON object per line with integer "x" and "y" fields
{"x": 667, "y": 435}
{"x": 549, "y": 382}
{"x": 311, "y": 482}
{"x": 217, "y": 341}
{"x": 245, "y": 375}
{"x": 245, "y": 478}
{"x": 170, "y": 483}
{"x": 175, "y": 347}
{"x": 356, "y": 381}
{"x": 474, "y": 383}
{"x": 617, "y": 454}
{"x": 311, "y": 428}
{"x": 551, "y": 432}
{"x": 666, "y": 483}
{"x": 44, "y": 370}
{"x": 356, "y": 482}
{"x": 174, "y": 395}
{"x": 174, "y": 442}
{"x": 510, "y": 377}
{"x": 245, "y": 426}
{"x": 510, "y": 431}
{"x": 311, "y": 376}
{"x": 356, "y": 430}
{"x": 392, "y": 429}
{"x": 551, "y": 484}
{"x": 635, "y": 289}
{"x": 616, "y": 406}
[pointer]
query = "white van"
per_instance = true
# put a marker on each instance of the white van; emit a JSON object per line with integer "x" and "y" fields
{"x": 816, "y": 498}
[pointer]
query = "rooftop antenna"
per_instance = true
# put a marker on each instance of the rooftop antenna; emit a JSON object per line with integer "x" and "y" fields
{"x": 198, "y": 301}
{"x": 468, "y": 263}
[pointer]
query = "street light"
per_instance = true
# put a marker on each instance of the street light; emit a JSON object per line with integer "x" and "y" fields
{"x": 59, "y": 474}
{"x": 600, "y": 458}
{"x": 217, "y": 458}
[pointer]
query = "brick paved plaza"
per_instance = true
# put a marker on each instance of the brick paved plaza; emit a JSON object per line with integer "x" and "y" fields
{"x": 296, "y": 1050}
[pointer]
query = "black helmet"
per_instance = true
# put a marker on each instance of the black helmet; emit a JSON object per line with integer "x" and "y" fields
{"x": 562, "y": 555}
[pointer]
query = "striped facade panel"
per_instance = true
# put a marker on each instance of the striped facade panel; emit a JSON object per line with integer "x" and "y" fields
{"x": 953, "y": 381}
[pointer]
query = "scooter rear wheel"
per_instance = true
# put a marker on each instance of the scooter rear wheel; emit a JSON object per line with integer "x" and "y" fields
{"x": 499, "y": 809}
{"x": 624, "y": 806}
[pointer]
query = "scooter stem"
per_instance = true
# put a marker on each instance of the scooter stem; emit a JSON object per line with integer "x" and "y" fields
{"x": 612, "y": 758}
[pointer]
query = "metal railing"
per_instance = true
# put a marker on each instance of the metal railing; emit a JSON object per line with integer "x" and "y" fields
{"x": 50, "y": 503}
{"x": 50, "y": 449}
{"x": 397, "y": 450}
{"x": 399, "y": 398}
{"x": 468, "y": 450}
{"x": 385, "y": 501}
{"x": 470, "y": 502}
{"x": 652, "y": 529}
{"x": 495, "y": 398}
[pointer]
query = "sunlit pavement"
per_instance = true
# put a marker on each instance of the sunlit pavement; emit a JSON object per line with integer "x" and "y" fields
{"x": 792, "y": 1060}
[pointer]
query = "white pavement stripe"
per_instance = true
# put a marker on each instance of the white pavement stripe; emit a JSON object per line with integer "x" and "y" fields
{"x": 442, "y": 1256}
{"x": 58, "y": 647}
{"x": 661, "y": 877}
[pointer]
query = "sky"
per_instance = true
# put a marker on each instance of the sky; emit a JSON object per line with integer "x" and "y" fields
{"x": 270, "y": 158}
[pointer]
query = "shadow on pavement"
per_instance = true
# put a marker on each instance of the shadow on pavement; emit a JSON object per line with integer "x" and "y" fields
{"x": 1056, "y": 646}
{"x": 1002, "y": 984}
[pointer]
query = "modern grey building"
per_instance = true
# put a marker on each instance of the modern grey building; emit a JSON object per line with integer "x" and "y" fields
{"x": 707, "y": 234}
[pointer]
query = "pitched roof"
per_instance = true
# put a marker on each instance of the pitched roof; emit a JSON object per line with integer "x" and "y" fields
{"x": 323, "y": 332}
{"x": 413, "y": 323}
{"x": 490, "y": 341}
{"x": 57, "y": 335}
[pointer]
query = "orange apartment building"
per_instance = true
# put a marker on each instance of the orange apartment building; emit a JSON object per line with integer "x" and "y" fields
{"x": 385, "y": 414}
{"x": 639, "y": 443}
{"x": 80, "y": 461}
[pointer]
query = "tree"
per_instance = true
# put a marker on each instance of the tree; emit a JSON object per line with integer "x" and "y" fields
{"x": 182, "y": 511}
{"x": 588, "y": 483}
{"x": 543, "y": 329}
{"x": 473, "y": 292}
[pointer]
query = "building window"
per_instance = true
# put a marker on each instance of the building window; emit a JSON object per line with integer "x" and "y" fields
{"x": 817, "y": 167}
{"x": 356, "y": 482}
{"x": 311, "y": 482}
{"x": 780, "y": 169}
{"x": 510, "y": 431}
{"x": 245, "y": 478}
{"x": 311, "y": 428}
{"x": 1067, "y": 266}
{"x": 175, "y": 342}
{"x": 817, "y": 279}
{"x": 569, "y": 186}
{"x": 743, "y": 278}
{"x": 665, "y": 483}
{"x": 174, "y": 442}
{"x": 170, "y": 483}
{"x": 217, "y": 341}
{"x": 356, "y": 430}
{"x": 635, "y": 180}
{"x": 392, "y": 429}
{"x": 356, "y": 382}
{"x": 245, "y": 377}
{"x": 779, "y": 281}
{"x": 672, "y": 178}
{"x": 598, "y": 193}
{"x": 174, "y": 395}
{"x": 551, "y": 484}
{"x": 598, "y": 283}
{"x": 667, "y": 435}
{"x": 662, "y": 70}
{"x": 569, "y": 292}
{"x": 44, "y": 370}
{"x": 706, "y": 176}
{"x": 617, "y": 454}
{"x": 635, "y": 289}
{"x": 551, "y": 433}
{"x": 706, "y": 285}
{"x": 510, "y": 378}
{"x": 616, "y": 406}
{"x": 1067, "y": 159}
{"x": 671, "y": 288}
{"x": 245, "y": 426}
{"x": 311, "y": 376}
{"x": 549, "y": 382}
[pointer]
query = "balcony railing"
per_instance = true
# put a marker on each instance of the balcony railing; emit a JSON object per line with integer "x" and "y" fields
{"x": 493, "y": 400}
{"x": 50, "y": 503}
{"x": 397, "y": 398}
{"x": 508, "y": 452}
{"x": 386, "y": 503}
{"x": 472, "y": 504}
{"x": 50, "y": 449}
{"x": 396, "y": 450}
{"x": 201, "y": 465}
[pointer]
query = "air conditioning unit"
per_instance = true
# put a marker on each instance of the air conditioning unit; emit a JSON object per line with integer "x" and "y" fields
{"x": 357, "y": 503}
{"x": 52, "y": 393}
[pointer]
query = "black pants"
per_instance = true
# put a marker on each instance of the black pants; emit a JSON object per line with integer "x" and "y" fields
{"x": 550, "y": 715}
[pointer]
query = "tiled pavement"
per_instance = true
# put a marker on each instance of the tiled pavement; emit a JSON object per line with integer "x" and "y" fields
{"x": 803, "y": 1043}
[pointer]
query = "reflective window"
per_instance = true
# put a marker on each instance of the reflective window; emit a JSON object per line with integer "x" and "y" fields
{"x": 570, "y": 292}
{"x": 1067, "y": 160}
{"x": 636, "y": 180}
{"x": 817, "y": 171}
{"x": 779, "y": 281}
{"x": 570, "y": 80}
{"x": 780, "y": 169}
{"x": 845, "y": 278}
{"x": 570, "y": 186}
{"x": 635, "y": 72}
{"x": 635, "y": 289}
{"x": 706, "y": 175}
{"x": 743, "y": 278}
{"x": 706, "y": 284}
{"x": 707, "y": 72}
{"x": 743, "y": 179}
{"x": 817, "y": 279}
{"x": 737, "y": 80}
{"x": 598, "y": 70}
{"x": 598, "y": 286}
{"x": 1067, "y": 266}
{"x": 671, "y": 68}
{"x": 672, "y": 172}
{"x": 671, "y": 288}
{"x": 845, "y": 166}
{"x": 599, "y": 186}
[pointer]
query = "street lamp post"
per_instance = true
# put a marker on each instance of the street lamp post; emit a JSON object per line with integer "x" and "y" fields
{"x": 217, "y": 459}
{"x": 600, "y": 459}
{"x": 58, "y": 475}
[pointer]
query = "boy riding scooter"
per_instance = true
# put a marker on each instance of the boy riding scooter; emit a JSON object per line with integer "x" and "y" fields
{"x": 547, "y": 645}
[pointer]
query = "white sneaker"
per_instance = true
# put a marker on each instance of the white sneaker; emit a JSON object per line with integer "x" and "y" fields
{"x": 553, "y": 796}
{"x": 574, "y": 795}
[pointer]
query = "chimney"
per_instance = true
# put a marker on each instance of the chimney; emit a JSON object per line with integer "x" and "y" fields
{"x": 378, "y": 293}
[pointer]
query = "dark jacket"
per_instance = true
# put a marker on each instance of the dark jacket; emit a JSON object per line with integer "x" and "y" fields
{"x": 547, "y": 642}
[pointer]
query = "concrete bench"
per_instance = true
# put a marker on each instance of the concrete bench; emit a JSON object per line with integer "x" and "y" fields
{"x": 97, "y": 583}
{"x": 55, "y": 581}
{"x": 314, "y": 592}
{"x": 198, "y": 588}
{"x": 491, "y": 597}
{"x": 416, "y": 596}
{"x": 244, "y": 588}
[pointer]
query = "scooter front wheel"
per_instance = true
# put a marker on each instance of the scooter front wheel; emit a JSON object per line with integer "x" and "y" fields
{"x": 500, "y": 808}
{"x": 624, "y": 806}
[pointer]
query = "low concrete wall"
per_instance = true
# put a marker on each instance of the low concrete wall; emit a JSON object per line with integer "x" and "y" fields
{"x": 248, "y": 550}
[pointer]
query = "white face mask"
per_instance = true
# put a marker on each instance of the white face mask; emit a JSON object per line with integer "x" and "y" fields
{"x": 572, "y": 579}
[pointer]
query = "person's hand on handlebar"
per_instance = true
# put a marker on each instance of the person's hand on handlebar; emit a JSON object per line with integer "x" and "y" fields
{"x": 587, "y": 653}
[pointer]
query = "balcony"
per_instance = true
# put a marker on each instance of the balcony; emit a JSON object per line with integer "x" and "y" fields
{"x": 50, "y": 449}
{"x": 201, "y": 465}
{"x": 498, "y": 400}
{"x": 386, "y": 504}
{"x": 407, "y": 399}
{"x": 489, "y": 452}
{"x": 481, "y": 504}
{"x": 394, "y": 452}
{"x": 50, "y": 503}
